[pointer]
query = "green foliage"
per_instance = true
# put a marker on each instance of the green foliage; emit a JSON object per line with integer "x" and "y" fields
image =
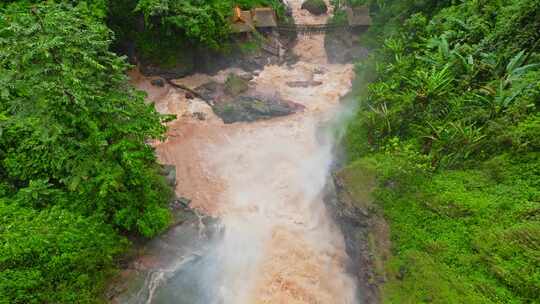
{"x": 250, "y": 47}
{"x": 450, "y": 116}
{"x": 446, "y": 83}
{"x": 203, "y": 22}
{"x": 91, "y": 8}
{"x": 53, "y": 256}
{"x": 92, "y": 157}
{"x": 170, "y": 33}
{"x": 462, "y": 236}
{"x": 75, "y": 168}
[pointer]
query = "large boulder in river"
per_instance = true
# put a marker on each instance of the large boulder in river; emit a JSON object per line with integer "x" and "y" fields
{"x": 316, "y": 7}
{"x": 234, "y": 85}
{"x": 248, "y": 108}
{"x": 210, "y": 91}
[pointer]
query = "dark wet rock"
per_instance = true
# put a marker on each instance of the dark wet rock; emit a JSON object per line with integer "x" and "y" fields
{"x": 191, "y": 60}
{"x": 169, "y": 171}
{"x": 189, "y": 95}
{"x": 343, "y": 47}
{"x": 246, "y": 76}
{"x": 247, "y": 108}
{"x": 183, "y": 67}
{"x": 234, "y": 85}
{"x": 366, "y": 233}
{"x": 169, "y": 73}
{"x": 234, "y": 101}
{"x": 290, "y": 58}
{"x": 184, "y": 202}
{"x": 158, "y": 82}
{"x": 212, "y": 62}
{"x": 316, "y": 7}
{"x": 304, "y": 84}
{"x": 256, "y": 62}
{"x": 180, "y": 210}
{"x": 199, "y": 115}
{"x": 185, "y": 242}
{"x": 210, "y": 91}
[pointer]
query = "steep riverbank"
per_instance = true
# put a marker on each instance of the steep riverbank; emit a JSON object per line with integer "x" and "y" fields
{"x": 450, "y": 123}
{"x": 351, "y": 203}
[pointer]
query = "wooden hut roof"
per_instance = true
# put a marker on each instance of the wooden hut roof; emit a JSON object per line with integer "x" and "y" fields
{"x": 264, "y": 17}
{"x": 242, "y": 21}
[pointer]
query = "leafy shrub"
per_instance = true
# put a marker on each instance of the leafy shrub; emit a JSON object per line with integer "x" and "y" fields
{"x": 451, "y": 120}
{"x": 205, "y": 23}
{"x": 466, "y": 234}
{"x": 73, "y": 130}
{"x": 53, "y": 256}
{"x": 448, "y": 84}
{"x": 75, "y": 169}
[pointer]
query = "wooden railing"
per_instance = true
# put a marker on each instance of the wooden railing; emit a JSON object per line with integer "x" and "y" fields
{"x": 311, "y": 29}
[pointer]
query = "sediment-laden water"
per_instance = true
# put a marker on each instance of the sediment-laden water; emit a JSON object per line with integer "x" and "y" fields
{"x": 274, "y": 242}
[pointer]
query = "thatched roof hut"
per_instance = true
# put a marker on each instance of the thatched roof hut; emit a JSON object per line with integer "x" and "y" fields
{"x": 242, "y": 21}
{"x": 246, "y": 21}
{"x": 264, "y": 17}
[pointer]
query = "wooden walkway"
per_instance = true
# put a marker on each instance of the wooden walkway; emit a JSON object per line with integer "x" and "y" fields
{"x": 265, "y": 17}
{"x": 311, "y": 29}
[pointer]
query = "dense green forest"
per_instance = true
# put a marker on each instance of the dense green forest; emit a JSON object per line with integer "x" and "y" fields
{"x": 77, "y": 176}
{"x": 449, "y": 119}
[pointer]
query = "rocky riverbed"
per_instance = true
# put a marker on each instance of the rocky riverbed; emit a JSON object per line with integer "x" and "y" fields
{"x": 254, "y": 151}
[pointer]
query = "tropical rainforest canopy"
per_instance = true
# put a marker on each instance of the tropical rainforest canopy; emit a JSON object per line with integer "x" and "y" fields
{"x": 448, "y": 116}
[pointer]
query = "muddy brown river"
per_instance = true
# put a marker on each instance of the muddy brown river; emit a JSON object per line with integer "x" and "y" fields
{"x": 264, "y": 180}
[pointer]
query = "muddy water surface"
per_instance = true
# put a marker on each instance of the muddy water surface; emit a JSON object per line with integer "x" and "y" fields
{"x": 264, "y": 180}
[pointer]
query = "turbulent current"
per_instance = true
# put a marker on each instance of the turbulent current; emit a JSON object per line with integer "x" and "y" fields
{"x": 264, "y": 181}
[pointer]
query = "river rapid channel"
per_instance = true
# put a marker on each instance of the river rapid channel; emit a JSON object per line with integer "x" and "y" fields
{"x": 274, "y": 241}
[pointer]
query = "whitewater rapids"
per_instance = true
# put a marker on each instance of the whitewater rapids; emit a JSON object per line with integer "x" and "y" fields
{"x": 265, "y": 181}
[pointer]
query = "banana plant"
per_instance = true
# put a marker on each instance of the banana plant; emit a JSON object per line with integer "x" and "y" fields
{"x": 516, "y": 68}
{"x": 503, "y": 92}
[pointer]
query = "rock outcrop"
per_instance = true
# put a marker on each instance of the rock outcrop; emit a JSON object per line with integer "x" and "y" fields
{"x": 316, "y": 7}
{"x": 249, "y": 108}
{"x": 235, "y": 85}
{"x": 366, "y": 233}
{"x": 344, "y": 47}
{"x": 233, "y": 101}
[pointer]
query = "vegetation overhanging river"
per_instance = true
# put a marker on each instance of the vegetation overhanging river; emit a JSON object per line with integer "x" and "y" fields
{"x": 264, "y": 180}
